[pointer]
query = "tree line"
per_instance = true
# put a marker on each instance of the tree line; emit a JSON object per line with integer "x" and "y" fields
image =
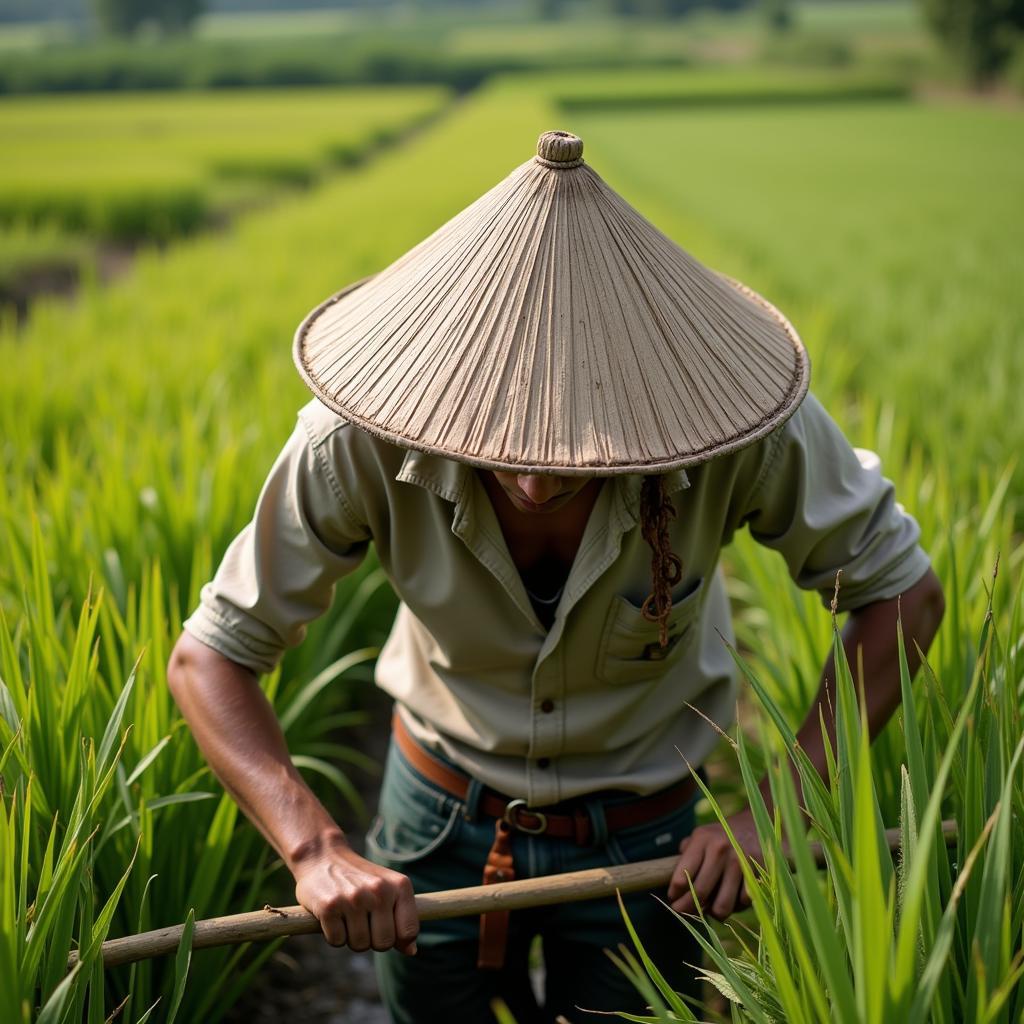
{"x": 979, "y": 35}
{"x": 126, "y": 17}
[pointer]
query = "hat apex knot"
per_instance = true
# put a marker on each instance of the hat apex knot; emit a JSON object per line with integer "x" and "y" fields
{"x": 559, "y": 149}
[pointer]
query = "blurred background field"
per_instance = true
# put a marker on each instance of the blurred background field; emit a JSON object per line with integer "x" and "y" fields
{"x": 836, "y": 156}
{"x": 185, "y": 141}
{"x": 880, "y": 228}
{"x": 152, "y": 166}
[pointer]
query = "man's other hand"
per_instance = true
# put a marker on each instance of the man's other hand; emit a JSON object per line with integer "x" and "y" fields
{"x": 708, "y": 859}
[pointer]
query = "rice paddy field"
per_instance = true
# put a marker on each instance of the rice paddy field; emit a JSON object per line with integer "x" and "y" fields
{"x": 87, "y": 178}
{"x": 137, "y": 423}
{"x": 152, "y": 167}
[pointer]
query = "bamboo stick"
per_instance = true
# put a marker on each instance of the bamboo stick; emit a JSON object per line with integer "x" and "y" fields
{"x": 275, "y": 922}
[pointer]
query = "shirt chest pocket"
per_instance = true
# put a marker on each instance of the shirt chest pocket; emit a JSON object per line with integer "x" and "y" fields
{"x": 630, "y": 651}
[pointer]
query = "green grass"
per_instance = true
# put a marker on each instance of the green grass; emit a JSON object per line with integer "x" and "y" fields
{"x": 750, "y": 86}
{"x": 881, "y": 231}
{"x": 276, "y": 24}
{"x": 921, "y": 935}
{"x": 460, "y": 46}
{"x": 138, "y": 424}
{"x": 151, "y": 166}
{"x": 704, "y": 35}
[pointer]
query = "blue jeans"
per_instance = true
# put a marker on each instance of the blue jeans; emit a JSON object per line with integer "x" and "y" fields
{"x": 441, "y": 842}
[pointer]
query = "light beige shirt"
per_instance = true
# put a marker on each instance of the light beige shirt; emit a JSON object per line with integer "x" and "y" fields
{"x": 592, "y": 703}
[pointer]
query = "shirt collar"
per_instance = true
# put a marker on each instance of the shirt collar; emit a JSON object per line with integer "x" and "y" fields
{"x": 448, "y": 479}
{"x": 445, "y": 477}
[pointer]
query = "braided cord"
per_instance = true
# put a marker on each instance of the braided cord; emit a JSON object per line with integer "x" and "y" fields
{"x": 656, "y": 511}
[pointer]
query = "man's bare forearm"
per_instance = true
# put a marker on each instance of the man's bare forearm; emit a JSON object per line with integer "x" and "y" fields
{"x": 358, "y": 903}
{"x": 241, "y": 738}
{"x": 869, "y": 639}
{"x": 707, "y": 859}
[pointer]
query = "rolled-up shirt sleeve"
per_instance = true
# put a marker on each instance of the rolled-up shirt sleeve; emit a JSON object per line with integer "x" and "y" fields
{"x": 279, "y": 573}
{"x": 826, "y": 506}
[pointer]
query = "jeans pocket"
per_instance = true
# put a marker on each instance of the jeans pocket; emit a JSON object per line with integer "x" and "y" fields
{"x": 416, "y": 818}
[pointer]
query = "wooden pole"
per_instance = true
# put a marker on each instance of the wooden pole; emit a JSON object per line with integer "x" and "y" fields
{"x": 275, "y": 922}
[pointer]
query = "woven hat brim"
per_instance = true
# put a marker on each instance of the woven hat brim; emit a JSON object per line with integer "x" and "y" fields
{"x": 770, "y": 420}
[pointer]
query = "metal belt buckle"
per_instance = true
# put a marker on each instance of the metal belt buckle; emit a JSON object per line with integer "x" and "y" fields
{"x": 512, "y": 818}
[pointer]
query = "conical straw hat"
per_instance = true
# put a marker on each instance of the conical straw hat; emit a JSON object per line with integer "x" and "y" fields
{"x": 549, "y": 327}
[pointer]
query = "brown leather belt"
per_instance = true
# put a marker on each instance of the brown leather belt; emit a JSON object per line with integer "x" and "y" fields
{"x": 568, "y": 820}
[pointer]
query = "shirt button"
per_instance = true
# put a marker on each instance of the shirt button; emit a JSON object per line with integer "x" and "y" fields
{"x": 543, "y": 762}
{"x": 547, "y": 707}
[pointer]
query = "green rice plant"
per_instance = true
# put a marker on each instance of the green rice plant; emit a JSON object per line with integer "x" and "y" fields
{"x": 880, "y": 230}
{"x": 158, "y": 807}
{"x": 130, "y": 470}
{"x": 435, "y": 43}
{"x": 901, "y": 279}
{"x": 936, "y": 936}
{"x": 176, "y": 387}
{"x": 153, "y": 166}
{"x": 52, "y": 901}
{"x": 137, "y": 425}
{"x": 120, "y": 212}
{"x": 710, "y": 87}
{"x": 785, "y": 634}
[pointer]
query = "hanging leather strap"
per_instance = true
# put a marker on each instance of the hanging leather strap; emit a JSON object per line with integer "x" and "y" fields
{"x": 494, "y": 923}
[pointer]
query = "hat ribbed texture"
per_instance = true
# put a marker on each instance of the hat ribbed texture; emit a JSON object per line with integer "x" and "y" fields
{"x": 549, "y": 327}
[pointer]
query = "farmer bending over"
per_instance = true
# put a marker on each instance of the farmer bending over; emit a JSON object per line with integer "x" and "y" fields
{"x": 549, "y": 419}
